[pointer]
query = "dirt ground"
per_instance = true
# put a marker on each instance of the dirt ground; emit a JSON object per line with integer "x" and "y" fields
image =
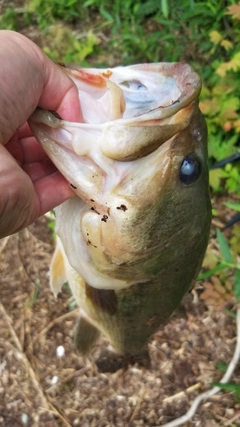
{"x": 39, "y": 388}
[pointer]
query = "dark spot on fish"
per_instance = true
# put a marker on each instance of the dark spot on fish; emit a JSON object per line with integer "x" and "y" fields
{"x": 104, "y": 218}
{"x": 94, "y": 209}
{"x": 104, "y": 299}
{"x": 189, "y": 170}
{"x": 122, "y": 208}
{"x": 73, "y": 186}
{"x": 87, "y": 234}
{"x": 55, "y": 114}
{"x": 90, "y": 243}
{"x": 92, "y": 200}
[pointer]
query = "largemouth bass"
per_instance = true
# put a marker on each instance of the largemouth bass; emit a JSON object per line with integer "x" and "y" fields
{"x": 132, "y": 241}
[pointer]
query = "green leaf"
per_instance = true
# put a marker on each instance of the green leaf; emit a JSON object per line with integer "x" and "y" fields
{"x": 165, "y": 8}
{"x": 222, "y": 367}
{"x": 228, "y": 387}
{"x": 214, "y": 270}
{"x": 215, "y": 178}
{"x": 224, "y": 248}
{"x": 36, "y": 291}
{"x": 106, "y": 15}
{"x": 237, "y": 283}
{"x": 233, "y": 205}
{"x": 230, "y": 313}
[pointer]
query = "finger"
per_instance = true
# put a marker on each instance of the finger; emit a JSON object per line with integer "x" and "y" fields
{"x": 51, "y": 191}
{"x": 32, "y": 150}
{"x": 37, "y": 170}
{"x": 60, "y": 93}
{"x": 24, "y": 131}
{"x": 25, "y": 150}
{"x": 42, "y": 83}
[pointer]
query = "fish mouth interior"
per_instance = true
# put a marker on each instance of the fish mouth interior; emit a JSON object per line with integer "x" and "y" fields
{"x": 135, "y": 93}
{"x": 126, "y": 96}
{"x": 140, "y": 97}
{"x": 128, "y": 112}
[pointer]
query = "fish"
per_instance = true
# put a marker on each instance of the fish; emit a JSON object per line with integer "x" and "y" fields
{"x": 131, "y": 242}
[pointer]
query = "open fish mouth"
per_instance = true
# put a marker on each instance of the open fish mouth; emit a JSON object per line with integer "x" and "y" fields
{"x": 128, "y": 112}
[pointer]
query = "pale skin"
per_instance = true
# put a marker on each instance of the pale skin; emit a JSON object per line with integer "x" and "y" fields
{"x": 30, "y": 183}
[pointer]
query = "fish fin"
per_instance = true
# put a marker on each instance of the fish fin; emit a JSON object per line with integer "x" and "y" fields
{"x": 103, "y": 299}
{"x": 85, "y": 335}
{"x": 57, "y": 270}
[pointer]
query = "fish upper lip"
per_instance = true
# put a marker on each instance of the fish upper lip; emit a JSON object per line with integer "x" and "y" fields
{"x": 187, "y": 81}
{"x": 126, "y": 138}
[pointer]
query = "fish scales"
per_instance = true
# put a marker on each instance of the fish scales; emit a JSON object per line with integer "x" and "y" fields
{"x": 132, "y": 241}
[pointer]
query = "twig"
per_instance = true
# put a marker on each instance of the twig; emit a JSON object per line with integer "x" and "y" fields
{"x": 206, "y": 395}
{"x": 183, "y": 393}
{"x": 21, "y": 356}
{"x": 138, "y": 405}
{"x": 4, "y": 240}
{"x": 54, "y": 322}
{"x": 233, "y": 418}
{"x": 46, "y": 404}
{"x": 9, "y": 324}
{"x": 69, "y": 377}
{"x": 55, "y": 412}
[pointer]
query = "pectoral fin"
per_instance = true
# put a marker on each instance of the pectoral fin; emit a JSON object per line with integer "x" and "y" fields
{"x": 58, "y": 274}
{"x": 85, "y": 335}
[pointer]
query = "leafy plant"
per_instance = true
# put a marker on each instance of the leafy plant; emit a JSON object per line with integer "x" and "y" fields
{"x": 48, "y": 12}
{"x": 225, "y": 274}
{"x": 220, "y": 101}
{"x": 9, "y": 19}
{"x": 233, "y": 387}
{"x": 66, "y": 47}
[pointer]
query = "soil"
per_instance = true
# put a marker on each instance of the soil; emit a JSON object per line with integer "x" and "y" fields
{"x": 40, "y": 388}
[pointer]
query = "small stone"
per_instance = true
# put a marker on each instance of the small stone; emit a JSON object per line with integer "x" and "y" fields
{"x": 25, "y": 418}
{"x": 60, "y": 351}
{"x": 54, "y": 380}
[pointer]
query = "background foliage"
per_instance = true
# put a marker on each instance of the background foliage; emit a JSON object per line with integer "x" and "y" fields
{"x": 106, "y": 33}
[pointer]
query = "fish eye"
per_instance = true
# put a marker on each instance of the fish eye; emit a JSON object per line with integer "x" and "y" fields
{"x": 189, "y": 170}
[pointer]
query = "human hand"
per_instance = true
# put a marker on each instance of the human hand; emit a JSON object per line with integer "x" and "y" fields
{"x": 30, "y": 183}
